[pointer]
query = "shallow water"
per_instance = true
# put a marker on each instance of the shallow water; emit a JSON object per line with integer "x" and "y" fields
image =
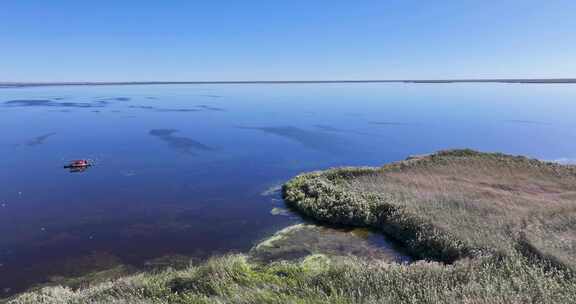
{"x": 182, "y": 169}
{"x": 300, "y": 240}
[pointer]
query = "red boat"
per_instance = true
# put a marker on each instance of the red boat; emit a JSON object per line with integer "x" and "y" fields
{"x": 77, "y": 164}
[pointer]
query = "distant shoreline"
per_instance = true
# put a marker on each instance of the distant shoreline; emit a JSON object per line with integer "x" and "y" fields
{"x": 522, "y": 81}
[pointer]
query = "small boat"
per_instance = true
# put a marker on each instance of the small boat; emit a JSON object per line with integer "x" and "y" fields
{"x": 78, "y": 164}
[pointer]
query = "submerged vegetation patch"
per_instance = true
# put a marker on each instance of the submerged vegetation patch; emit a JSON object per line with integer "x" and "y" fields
{"x": 320, "y": 141}
{"x": 39, "y": 140}
{"x": 181, "y": 144}
{"x": 328, "y": 128}
{"x": 198, "y": 108}
{"x": 49, "y": 103}
{"x": 280, "y": 211}
{"x": 298, "y": 241}
{"x": 164, "y": 109}
{"x": 210, "y": 108}
{"x": 390, "y": 123}
{"x": 119, "y": 98}
{"x": 58, "y": 103}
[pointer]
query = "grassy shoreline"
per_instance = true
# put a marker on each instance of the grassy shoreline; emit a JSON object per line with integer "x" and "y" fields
{"x": 456, "y": 205}
{"x": 317, "y": 279}
{"x": 404, "y": 200}
{"x": 489, "y": 228}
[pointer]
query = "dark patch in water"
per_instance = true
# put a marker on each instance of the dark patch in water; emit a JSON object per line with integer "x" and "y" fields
{"x": 29, "y": 102}
{"x": 143, "y": 107}
{"x": 115, "y": 99}
{"x": 327, "y": 128}
{"x": 181, "y": 144}
{"x": 76, "y": 105}
{"x": 389, "y": 123}
{"x": 177, "y": 110}
{"x": 164, "y": 109}
{"x": 210, "y": 108}
{"x": 47, "y": 103}
{"x": 199, "y": 108}
{"x": 57, "y": 102}
{"x": 39, "y": 140}
{"x": 319, "y": 141}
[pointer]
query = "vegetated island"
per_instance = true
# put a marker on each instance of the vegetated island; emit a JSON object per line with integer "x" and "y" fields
{"x": 487, "y": 228}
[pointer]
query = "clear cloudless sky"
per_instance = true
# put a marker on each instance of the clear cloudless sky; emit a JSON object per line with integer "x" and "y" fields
{"x": 113, "y": 40}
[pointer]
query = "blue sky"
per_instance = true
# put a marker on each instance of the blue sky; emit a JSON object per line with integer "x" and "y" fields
{"x": 62, "y": 40}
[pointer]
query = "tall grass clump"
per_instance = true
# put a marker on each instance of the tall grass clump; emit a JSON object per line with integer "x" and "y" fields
{"x": 316, "y": 279}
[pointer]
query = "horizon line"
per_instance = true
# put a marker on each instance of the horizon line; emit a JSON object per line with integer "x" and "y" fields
{"x": 94, "y": 83}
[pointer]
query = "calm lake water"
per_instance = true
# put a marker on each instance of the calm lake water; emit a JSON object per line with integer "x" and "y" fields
{"x": 185, "y": 169}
